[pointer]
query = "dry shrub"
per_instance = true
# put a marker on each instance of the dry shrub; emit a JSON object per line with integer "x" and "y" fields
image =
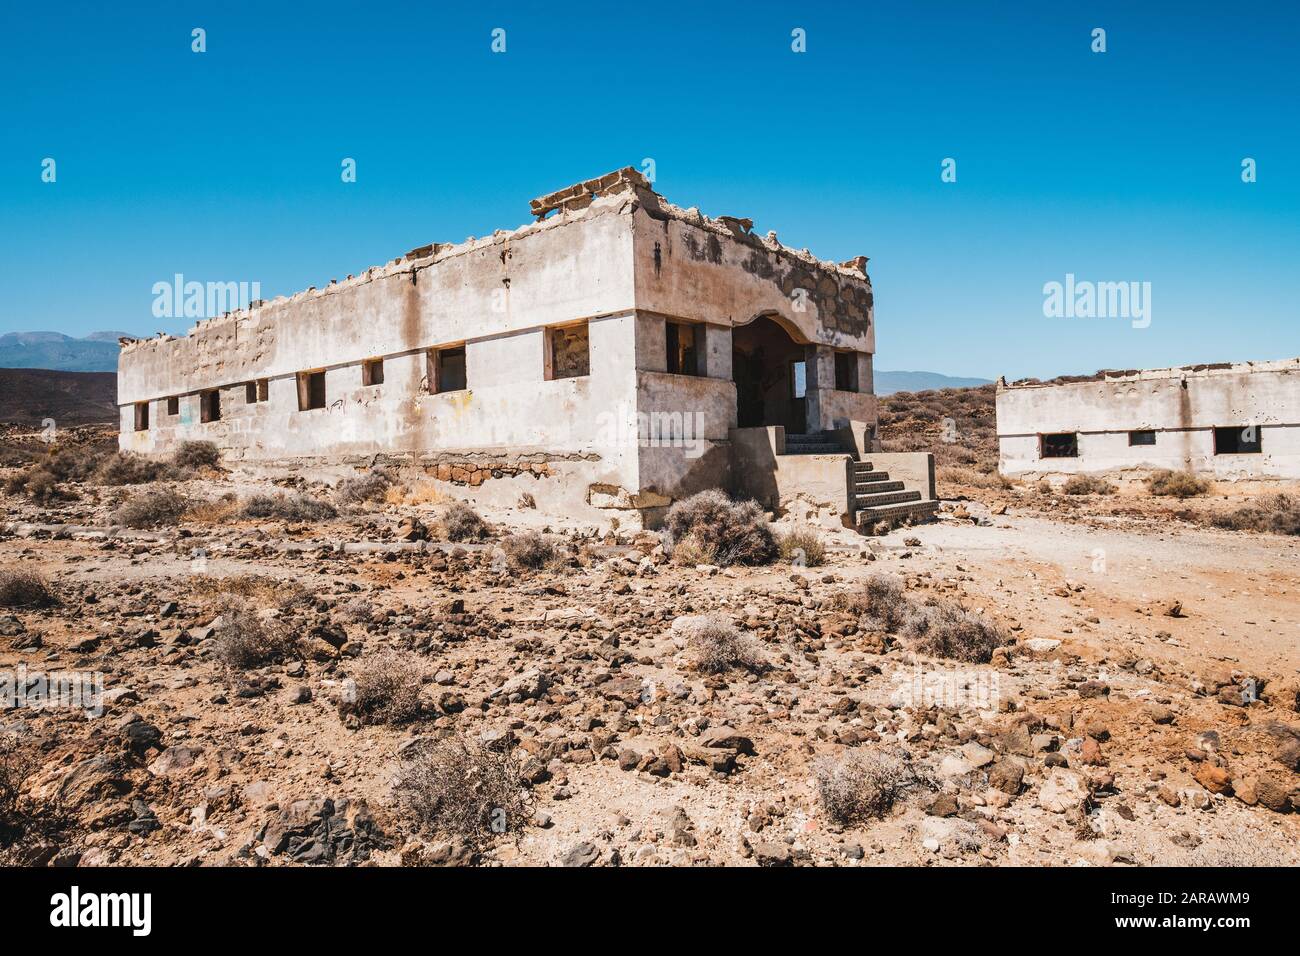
{"x": 802, "y": 546}
{"x": 17, "y": 765}
{"x": 530, "y": 549}
{"x": 223, "y": 509}
{"x": 1088, "y": 485}
{"x": 461, "y": 789}
{"x": 881, "y": 599}
{"x": 196, "y": 454}
{"x": 865, "y": 784}
{"x": 1179, "y": 484}
{"x": 692, "y": 550}
{"x": 25, "y": 589}
{"x": 245, "y": 640}
{"x": 946, "y": 629}
{"x": 460, "y": 522}
{"x": 37, "y": 484}
{"x": 716, "y": 646}
{"x": 264, "y": 590}
{"x": 149, "y": 509}
{"x": 526, "y": 500}
{"x": 371, "y": 487}
{"x": 385, "y": 689}
{"x": 737, "y": 531}
{"x": 123, "y": 469}
{"x": 972, "y": 478}
{"x": 1278, "y": 514}
{"x": 298, "y": 507}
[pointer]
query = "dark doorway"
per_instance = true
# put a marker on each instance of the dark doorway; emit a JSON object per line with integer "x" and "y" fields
{"x": 766, "y": 365}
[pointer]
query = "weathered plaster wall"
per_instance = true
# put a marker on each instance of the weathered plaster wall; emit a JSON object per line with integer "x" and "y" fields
{"x": 1182, "y": 406}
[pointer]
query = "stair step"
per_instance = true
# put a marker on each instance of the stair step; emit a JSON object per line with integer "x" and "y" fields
{"x": 870, "y": 477}
{"x": 893, "y": 496}
{"x": 791, "y": 449}
{"x": 914, "y": 509}
{"x": 878, "y": 488}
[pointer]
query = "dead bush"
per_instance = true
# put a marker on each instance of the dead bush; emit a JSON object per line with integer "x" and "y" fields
{"x": 460, "y": 522}
{"x": 17, "y": 765}
{"x": 802, "y": 547}
{"x": 1088, "y": 485}
{"x": 38, "y": 484}
{"x": 738, "y": 531}
{"x": 880, "y": 599}
{"x": 960, "y": 475}
{"x": 150, "y": 509}
{"x": 526, "y": 500}
{"x": 269, "y": 591}
{"x": 123, "y": 469}
{"x": 385, "y": 689}
{"x": 219, "y": 511}
{"x": 1278, "y": 514}
{"x": 692, "y": 550}
{"x": 716, "y": 646}
{"x": 245, "y": 640}
{"x": 461, "y": 789}
{"x": 865, "y": 784}
{"x": 371, "y": 487}
{"x": 530, "y": 549}
{"x": 196, "y": 454}
{"x": 1179, "y": 484}
{"x": 298, "y": 507}
{"x": 20, "y": 588}
{"x": 946, "y": 629}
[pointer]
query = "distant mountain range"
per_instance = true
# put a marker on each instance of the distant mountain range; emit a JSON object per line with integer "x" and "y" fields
{"x": 889, "y": 382}
{"x": 97, "y": 352}
{"x": 31, "y": 395}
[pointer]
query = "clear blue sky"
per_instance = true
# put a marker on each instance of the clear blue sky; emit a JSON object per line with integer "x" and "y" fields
{"x": 1115, "y": 167}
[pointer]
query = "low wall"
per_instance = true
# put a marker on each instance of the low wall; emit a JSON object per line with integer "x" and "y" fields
{"x": 915, "y": 469}
{"x": 760, "y": 470}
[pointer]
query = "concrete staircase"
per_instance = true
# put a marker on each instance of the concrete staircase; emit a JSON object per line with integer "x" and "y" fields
{"x": 874, "y": 496}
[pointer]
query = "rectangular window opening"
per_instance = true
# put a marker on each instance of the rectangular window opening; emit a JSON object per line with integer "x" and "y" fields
{"x": 446, "y": 370}
{"x": 798, "y": 378}
{"x": 372, "y": 372}
{"x": 210, "y": 405}
{"x": 1142, "y": 437}
{"x": 263, "y": 389}
{"x": 1063, "y": 445}
{"x": 1238, "y": 440}
{"x": 142, "y": 416}
{"x": 174, "y": 405}
{"x": 568, "y": 353}
{"x": 846, "y": 371}
{"x": 684, "y": 344}
{"x": 311, "y": 390}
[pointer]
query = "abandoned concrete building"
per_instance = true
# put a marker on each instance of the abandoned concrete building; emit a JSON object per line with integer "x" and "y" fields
{"x": 617, "y": 353}
{"x": 1230, "y": 422}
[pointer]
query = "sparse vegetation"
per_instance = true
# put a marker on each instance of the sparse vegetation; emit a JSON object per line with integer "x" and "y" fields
{"x": 16, "y": 766}
{"x": 260, "y": 588}
{"x": 735, "y": 532}
{"x": 1179, "y": 484}
{"x": 530, "y": 549}
{"x": 946, "y": 629}
{"x": 1277, "y": 514}
{"x": 802, "y": 546}
{"x": 151, "y": 509}
{"x": 716, "y": 646}
{"x": 19, "y": 588}
{"x": 385, "y": 689}
{"x": 123, "y": 469}
{"x": 461, "y": 789}
{"x": 880, "y": 599}
{"x": 865, "y": 784}
{"x": 196, "y": 454}
{"x": 369, "y": 487}
{"x": 1088, "y": 485}
{"x": 298, "y": 507}
{"x": 245, "y": 640}
{"x": 460, "y": 522}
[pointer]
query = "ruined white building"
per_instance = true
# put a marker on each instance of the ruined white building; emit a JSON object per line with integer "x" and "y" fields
{"x": 617, "y": 353}
{"x": 1227, "y": 421}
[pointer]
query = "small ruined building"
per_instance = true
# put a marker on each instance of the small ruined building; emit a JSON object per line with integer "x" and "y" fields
{"x": 1229, "y": 422}
{"x": 617, "y": 353}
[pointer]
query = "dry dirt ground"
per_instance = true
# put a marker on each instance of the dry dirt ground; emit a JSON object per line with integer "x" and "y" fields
{"x": 1144, "y": 713}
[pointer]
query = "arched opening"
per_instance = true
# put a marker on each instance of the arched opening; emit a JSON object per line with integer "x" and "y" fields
{"x": 771, "y": 375}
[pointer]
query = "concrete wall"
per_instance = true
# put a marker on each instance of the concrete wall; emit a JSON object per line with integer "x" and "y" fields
{"x": 762, "y": 471}
{"x": 1183, "y": 406}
